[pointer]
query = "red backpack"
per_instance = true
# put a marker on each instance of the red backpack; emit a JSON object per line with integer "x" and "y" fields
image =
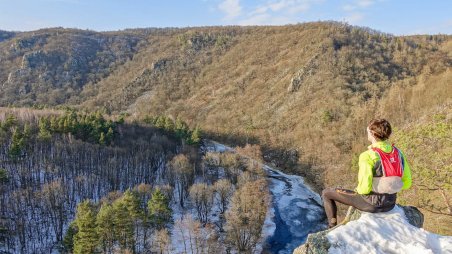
{"x": 392, "y": 162}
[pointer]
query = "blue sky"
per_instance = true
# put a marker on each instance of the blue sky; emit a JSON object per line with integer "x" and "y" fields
{"x": 400, "y": 17}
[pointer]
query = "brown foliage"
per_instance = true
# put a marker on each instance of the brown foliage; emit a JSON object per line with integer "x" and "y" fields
{"x": 245, "y": 217}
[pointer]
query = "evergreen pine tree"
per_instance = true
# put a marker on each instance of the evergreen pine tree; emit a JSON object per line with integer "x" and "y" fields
{"x": 54, "y": 124}
{"x": 160, "y": 122}
{"x": 66, "y": 126}
{"x": 68, "y": 240}
{"x": 61, "y": 125}
{"x": 159, "y": 210}
{"x": 132, "y": 202}
{"x": 109, "y": 136}
{"x": 169, "y": 124}
{"x": 102, "y": 139}
{"x": 105, "y": 227}
{"x": 17, "y": 143}
{"x": 44, "y": 129}
{"x": 123, "y": 222}
{"x": 86, "y": 238}
{"x": 9, "y": 122}
{"x": 3, "y": 176}
{"x": 121, "y": 119}
{"x": 195, "y": 137}
{"x": 181, "y": 128}
{"x": 26, "y": 134}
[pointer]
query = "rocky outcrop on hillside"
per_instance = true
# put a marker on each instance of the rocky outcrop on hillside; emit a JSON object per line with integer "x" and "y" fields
{"x": 197, "y": 41}
{"x": 318, "y": 243}
{"x": 308, "y": 70}
{"x": 69, "y": 66}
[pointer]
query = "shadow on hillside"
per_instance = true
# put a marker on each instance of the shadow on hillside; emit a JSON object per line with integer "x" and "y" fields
{"x": 284, "y": 158}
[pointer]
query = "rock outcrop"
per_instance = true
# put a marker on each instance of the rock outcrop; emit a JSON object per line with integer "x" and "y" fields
{"x": 318, "y": 243}
{"x": 308, "y": 70}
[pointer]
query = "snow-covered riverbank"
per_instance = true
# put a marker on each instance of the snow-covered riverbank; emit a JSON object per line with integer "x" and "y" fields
{"x": 296, "y": 209}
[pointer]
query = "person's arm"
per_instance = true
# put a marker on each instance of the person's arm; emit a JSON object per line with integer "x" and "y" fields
{"x": 406, "y": 177}
{"x": 365, "y": 174}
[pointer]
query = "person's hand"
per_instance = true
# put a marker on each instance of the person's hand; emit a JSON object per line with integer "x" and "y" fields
{"x": 345, "y": 191}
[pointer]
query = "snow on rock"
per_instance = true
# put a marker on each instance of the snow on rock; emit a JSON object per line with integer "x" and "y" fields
{"x": 396, "y": 231}
{"x": 387, "y": 232}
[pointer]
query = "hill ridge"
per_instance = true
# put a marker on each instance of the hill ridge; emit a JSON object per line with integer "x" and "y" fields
{"x": 303, "y": 92}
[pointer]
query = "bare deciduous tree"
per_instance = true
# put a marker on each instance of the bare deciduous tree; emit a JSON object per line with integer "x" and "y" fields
{"x": 161, "y": 242}
{"x": 195, "y": 238}
{"x": 245, "y": 217}
{"x": 183, "y": 176}
{"x": 202, "y": 196}
{"x": 224, "y": 190}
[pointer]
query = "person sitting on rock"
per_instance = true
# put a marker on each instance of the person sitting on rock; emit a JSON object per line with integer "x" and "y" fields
{"x": 383, "y": 171}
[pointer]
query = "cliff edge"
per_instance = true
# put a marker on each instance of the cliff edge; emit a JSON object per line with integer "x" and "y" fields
{"x": 397, "y": 231}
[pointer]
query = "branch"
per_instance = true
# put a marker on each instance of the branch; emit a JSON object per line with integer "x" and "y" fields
{"x": 446, "y": 200}
{"x": 437, "y": 212}
{"x": 425, "y": 187}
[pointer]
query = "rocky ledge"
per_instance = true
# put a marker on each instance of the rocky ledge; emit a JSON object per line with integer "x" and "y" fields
{"x": 319, "y": 243}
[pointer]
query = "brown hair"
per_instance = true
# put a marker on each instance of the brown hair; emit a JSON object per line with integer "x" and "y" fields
{"x": 380, "y": 128}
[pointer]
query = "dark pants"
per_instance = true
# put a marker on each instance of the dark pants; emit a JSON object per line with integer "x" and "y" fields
{"x": 351, "y": 198}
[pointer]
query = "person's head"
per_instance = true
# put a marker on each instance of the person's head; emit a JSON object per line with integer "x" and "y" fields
{"x": 378, "y": 129}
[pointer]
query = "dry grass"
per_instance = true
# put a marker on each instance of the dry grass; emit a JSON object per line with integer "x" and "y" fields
{"x": 27, "y": 114}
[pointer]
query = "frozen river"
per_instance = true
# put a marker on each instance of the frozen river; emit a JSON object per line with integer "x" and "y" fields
{"x": 296, "y": 210}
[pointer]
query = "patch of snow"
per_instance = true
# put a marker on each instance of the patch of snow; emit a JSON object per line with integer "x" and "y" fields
{"x": 268, "y": 230}
{"x": 269, "y": 225}
{"x": 212, "y": 146}
{"x": 387, "y": 232}
{"x": 296, "y": 209}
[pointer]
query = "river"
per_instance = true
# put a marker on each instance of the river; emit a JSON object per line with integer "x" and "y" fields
{"x": 296, "y": 210}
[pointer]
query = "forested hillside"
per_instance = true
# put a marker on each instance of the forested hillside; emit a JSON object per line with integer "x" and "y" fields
{"x": 50, "y": 161}
{"x": 50, "y": 66}
{"x": 303, "y": 92}
{"x": 77, "y": 182}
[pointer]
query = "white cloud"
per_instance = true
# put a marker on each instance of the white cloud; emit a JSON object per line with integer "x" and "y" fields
{"x": 302, "y": 7}
{"x": 354, "y": 18}
{"x": 291, "y": 6}
{"x": 358, "y": 4}
{"x": 258, "y": 19}
{"x": 231, "y": 8}
{"x": 277, "y": 6}
{"x": 266, "y": 19}
{"x": 271, "y": 12}
{"x": 365, "y": 3}
{"x": 271, "y": 6}
{"x": 348, "y": 7}
{"x": 278, "y": 12}
{"x": 259, "y": 10}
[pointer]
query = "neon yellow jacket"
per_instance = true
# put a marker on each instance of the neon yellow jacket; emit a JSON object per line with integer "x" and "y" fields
{"x": 367, "y": 161}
